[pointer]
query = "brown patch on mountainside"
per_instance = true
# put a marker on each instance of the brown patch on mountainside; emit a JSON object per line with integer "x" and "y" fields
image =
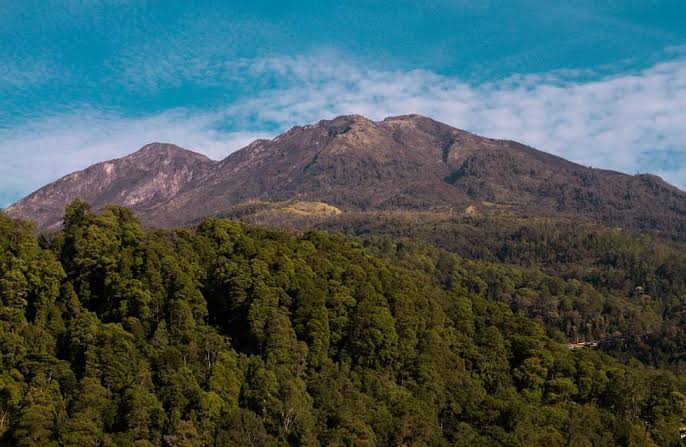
{"x": 405, "y": 163}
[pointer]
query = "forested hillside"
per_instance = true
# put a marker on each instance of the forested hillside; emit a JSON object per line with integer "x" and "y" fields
{"x": 227, "y": 334}
{"x": 582, "y": 281}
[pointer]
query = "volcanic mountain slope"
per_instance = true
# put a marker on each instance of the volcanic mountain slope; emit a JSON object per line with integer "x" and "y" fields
{"x": 355, "y": 164}
{"x": 152, "y": 175}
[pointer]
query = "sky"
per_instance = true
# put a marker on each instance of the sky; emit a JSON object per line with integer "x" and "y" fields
{"x": 602, "y": 83}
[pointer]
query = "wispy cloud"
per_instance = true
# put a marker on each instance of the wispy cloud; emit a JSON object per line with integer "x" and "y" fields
{"x": 26, "y": 73}
{"x": 631, "y": 122}
{"x": 198, "y": 51}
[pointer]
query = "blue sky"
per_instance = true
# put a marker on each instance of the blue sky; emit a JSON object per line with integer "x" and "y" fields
{"x": 600, "y": 82}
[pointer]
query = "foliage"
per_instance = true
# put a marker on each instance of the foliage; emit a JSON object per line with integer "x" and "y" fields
{"x": 581, "y": 281}
{"x": 233, "y": 335}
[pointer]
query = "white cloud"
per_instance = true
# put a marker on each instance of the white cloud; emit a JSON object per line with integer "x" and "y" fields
{"x": 632, "y": 122}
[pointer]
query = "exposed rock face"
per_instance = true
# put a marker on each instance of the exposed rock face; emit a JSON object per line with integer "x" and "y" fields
{"x": 406, "y": 162}
{"x": 154, "y": 174}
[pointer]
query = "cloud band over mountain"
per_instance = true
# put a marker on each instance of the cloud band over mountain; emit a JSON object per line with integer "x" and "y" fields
{"x": 630, "y": 122}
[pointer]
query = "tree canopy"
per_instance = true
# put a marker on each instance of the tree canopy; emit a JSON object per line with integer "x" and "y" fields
{"x": 227, "y": 334}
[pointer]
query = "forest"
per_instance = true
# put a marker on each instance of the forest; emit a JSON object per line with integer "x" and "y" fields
{"x": 227, "y": 334}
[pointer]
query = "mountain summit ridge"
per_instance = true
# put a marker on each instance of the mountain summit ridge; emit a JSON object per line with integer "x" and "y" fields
{"x": 407, "y": 162}
{"x": 155, "y": 171}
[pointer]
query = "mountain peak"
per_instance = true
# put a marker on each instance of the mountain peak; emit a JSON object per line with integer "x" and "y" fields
{"x": 347, "y": 119}
{"x": 151, "y": 175}
{"x": 165, "y": 151}
{"x": 412, "y": 117}
{"x": 407, "y": 162}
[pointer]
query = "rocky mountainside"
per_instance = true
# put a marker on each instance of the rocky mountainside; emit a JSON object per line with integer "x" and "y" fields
{"x": 355, "y": 164}
{"x": 154, "y": 174}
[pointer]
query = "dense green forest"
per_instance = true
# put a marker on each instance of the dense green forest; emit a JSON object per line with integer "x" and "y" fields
{"x": 582, "y": 281}
{"x": 227, "y": 334}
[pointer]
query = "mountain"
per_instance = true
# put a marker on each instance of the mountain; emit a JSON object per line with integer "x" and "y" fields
{"x": 359, "y": 165}
{"x": 154, "y": 174}
{"x": 527, "y": 319}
